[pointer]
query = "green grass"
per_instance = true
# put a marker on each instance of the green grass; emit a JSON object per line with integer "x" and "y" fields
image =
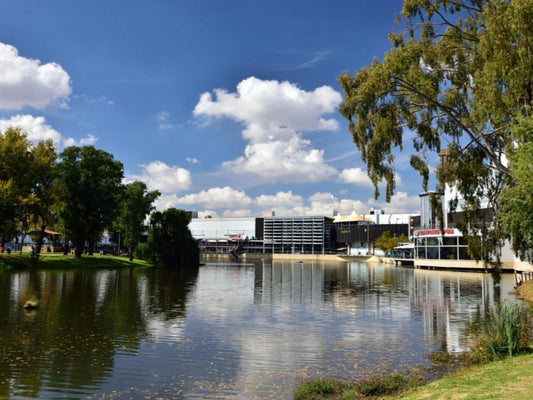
{"x": 525, "y": 291}
{"x": 367, "y": 388}
{"x": 56, "y": 260}
{"x": 506, "y": 379}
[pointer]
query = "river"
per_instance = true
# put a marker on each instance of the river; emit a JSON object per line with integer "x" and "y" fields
{"x": 227, "y": 330}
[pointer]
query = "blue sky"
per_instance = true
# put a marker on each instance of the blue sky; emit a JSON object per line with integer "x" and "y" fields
{"x": 227, "y": 107}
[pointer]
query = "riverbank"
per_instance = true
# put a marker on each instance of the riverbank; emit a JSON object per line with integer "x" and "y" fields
{"x": 525, "y": 291}
{"x": 509, "y": 378}
{"x": 506, "y": 379}
{"x": 55, "y": 260}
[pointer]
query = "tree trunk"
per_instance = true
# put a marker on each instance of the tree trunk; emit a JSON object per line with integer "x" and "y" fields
{"x": 78, "y": 249}
{"x": 40, "y": 240}
{"x": 130, "y": 253}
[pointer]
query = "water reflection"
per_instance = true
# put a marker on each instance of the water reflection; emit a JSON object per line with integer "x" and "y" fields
{"x": 227, "y": 330}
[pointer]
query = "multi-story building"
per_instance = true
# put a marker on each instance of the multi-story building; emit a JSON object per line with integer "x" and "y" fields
{"x": 299, "y": 235}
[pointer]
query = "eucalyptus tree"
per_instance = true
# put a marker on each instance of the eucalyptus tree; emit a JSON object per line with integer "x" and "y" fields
{"x": 135, "y": 206}
{"x": 88, "y": 191}
{"x": 458, "y": 76}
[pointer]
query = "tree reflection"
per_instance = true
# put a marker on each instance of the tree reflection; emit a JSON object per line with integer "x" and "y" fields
{"x": 69, "y": 343}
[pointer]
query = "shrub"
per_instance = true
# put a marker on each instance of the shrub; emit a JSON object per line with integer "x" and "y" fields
{"x": 504, "y": 332}
{"x": 315, "y": 389}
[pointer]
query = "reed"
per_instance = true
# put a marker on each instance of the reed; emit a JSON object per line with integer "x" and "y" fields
{"x": 504, "y": 331}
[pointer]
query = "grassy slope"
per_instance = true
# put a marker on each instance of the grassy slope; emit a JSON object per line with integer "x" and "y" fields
{"x": 525, "y": 291}
{"x": 48, "y": 260}
{"x": 507, "y": 379}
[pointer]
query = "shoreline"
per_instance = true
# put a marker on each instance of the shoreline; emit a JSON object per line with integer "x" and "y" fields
{"x": 450, "y": 265}
{"x": 60, "y": 261}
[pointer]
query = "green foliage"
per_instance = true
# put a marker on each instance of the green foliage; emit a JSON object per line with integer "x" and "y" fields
{"x": 516, "y": 201}
{"x": 89, "y": 186}
{"x": 170, "y": 241}
{"x": 142, "y": 252}
{"x": 503, "y": 332}
{"x": 458, "y": 75}
{"x": 375, "y": 387}
{"x": 315, "y": 389}
{"x": 387, "y": 243}
{"x": 27, "y": 172}
{"x": 135, "y": 205}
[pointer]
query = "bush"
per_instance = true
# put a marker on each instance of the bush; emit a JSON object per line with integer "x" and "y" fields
{"x": 375, "y": 387}
{"x": 142, "y": 252}
{"x": 315, "y": 389}
{"x": 504, "y": 332}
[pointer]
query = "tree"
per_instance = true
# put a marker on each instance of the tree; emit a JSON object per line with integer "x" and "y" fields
{"x": 27, "y": 173}
{"x": 43, "y": 193}
{"x": 458, "y": 76}
{"x": 387, "y": 243}
{"x": 15, "y": 159}
{"x": 8, "y": 198}
{"x": 88, "y": 188}
{"x": 170, "y": 241}
{"x": 516, "y": 201}
{"x": 135, "y": 206}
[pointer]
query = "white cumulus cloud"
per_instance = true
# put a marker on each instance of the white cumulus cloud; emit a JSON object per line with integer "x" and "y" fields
{"x": 280, "y": 199}
{"x": 165, "y": 178}
{"x": 86, "y": 141}
{"x": 216, "y": 198}
{"x": 27, "y": 82}
{"x": 356, "y": 176}
{"x": 359, "y": 177}
{"x": 274, "y": 115}
{"x": 35, "y": 127}
{"x": 401, "y": 202}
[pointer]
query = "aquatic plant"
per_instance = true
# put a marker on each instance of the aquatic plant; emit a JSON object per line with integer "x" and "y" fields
{"x": 503, "y": 332}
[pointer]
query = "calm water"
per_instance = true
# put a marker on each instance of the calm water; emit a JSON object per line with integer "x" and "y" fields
{"x": 226, "y": 330}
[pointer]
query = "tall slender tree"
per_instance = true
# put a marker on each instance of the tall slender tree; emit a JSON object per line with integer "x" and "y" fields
{"x": 135, "y": 206}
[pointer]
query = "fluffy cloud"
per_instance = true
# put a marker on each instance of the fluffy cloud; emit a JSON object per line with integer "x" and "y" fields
{"x": 35, "y": 127}
{"x": 225, "y": 198}
{"x": 238, "y": 213}
{"x": 228, "y": 202}
{"x": 401, "y": 202}
{"x": 280, "y": 199}
{"x": 274, "y": 113}
{"x": 325, "y": 203}
{"x": 27, "y": 82}
{"x": 86, "y": 141}
{"x": 355, "y": 176}
{"x": 359, "y": 177}
{"x": 165, "y": 178}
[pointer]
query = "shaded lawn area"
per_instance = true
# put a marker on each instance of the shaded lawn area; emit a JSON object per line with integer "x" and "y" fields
{"x": 56, "y": 260}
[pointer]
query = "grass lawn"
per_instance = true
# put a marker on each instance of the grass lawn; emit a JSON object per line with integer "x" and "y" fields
{"x": 57, "y": 260}
{"x": 511, "y": 378}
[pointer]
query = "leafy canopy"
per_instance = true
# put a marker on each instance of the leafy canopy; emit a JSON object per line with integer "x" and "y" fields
{"x": 135, "y": 206}
{"x": 89, "y": 186}
{"x": 459, "y": 76}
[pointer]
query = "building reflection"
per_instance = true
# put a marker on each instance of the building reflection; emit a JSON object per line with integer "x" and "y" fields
{"x": 445, "y": 303}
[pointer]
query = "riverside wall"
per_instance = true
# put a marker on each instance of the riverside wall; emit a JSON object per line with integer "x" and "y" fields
{"x": 418, "y": 263}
